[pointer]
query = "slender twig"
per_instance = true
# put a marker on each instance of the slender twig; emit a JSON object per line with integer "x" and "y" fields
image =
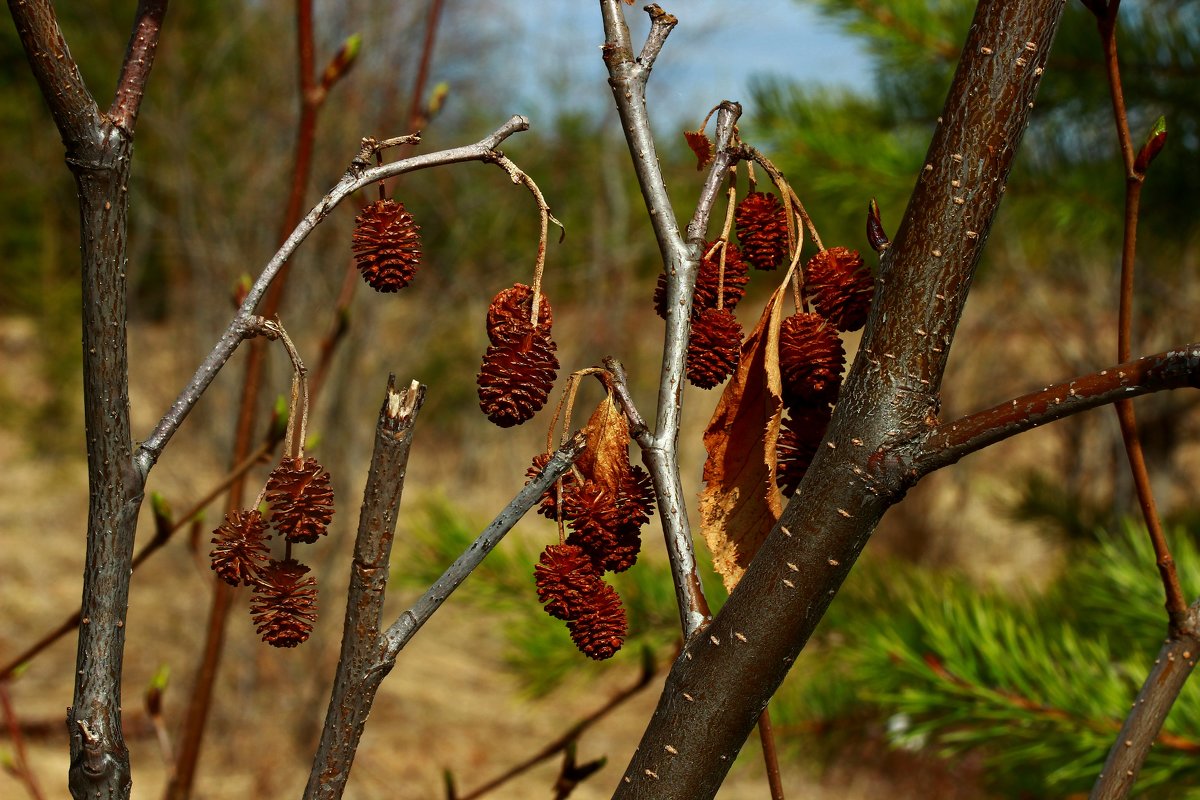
{"x": 946, "y": 443}
{"x": 353, "y": 685}
{"x": 21, "y": 766}
{"x": 407, "y": 625}
{"x": 571, "y": 734}
{"x": 766, "y": 738}
{"x": 1175, "y": 662}
{"x": 357, "y": 177}
{"x": 1176, "y": 604}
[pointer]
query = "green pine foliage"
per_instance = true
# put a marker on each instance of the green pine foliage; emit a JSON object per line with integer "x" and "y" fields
{"x": 1037, "y": 685}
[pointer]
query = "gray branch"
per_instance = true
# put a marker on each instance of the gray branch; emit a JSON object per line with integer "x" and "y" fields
{"x": 358, "y": 176}
{"x": 354, "y": 685}
{"x": 368, "y": 655}
{"x": 1174, "y": 664}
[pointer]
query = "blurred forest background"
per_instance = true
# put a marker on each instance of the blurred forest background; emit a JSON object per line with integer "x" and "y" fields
{"x": 1001, "y": 621}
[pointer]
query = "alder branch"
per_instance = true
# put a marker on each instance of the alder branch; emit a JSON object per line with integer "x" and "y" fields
{"x": 628, "y": 77}
{"x": 353, "y": 689}
{"x": 1175, "y": 662}
{"x": 367, "y": 655}
{"x": 139, "y": 58}
{"x": 948, "y": 442}
{"x": 359, "y": 175}
{"x": 703, "y": 718}
{"x": 72, "y": 106}
{"x": 407, "y": 625}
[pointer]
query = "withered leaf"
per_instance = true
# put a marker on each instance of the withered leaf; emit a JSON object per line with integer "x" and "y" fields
{"x": 740, "y": 502}
{"x": 702, "y": 146}
{"x": 606, "y": 459}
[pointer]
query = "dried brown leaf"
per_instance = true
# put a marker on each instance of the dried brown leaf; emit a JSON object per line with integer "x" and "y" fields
{"x": 606, "y": 458}
{"x": 702, "y": 146}
{"x": 740, "y": 502}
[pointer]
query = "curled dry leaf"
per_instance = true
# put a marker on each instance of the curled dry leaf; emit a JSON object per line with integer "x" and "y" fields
{"x": 740, "y": 502}
{"x": 702, "y": 146}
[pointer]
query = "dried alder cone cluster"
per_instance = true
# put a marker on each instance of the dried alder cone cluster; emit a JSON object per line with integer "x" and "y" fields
{"x": 604, "y": 501}
{"x": 284, "y": 603}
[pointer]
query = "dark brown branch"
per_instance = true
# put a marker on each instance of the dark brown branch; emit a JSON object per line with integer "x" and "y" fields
{"x": 1175, "y": 662}
{"x": 139, "y": 58}
{"x": 889, "y": 394}
{"x": 353, "y": 686}
{"x": 1176, "y": 604}
{"x": 950, "y": 441}
{"x": 71, "y": 104}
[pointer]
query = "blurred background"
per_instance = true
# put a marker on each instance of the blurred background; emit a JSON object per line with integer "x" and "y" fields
{"x": 1001, "y": 619}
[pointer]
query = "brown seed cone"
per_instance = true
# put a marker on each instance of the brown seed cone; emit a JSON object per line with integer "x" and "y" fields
{"x": 594, "y": 517}
{"x": 241, "y": 547}
{"x": 762, "y": 230}
{"x": 301, "y": 499}
{"x": 801, "y": 435}
{"x": 509, "y": 313}
{"x": 637, "y": 497}
{"x": 811, "y": 359}
{"x": 386, "y": 245}
{"x": 708, "y": 280}
{"x": 549, "y": 505}
{"x": 284, "y": 604}
{"x": 714, "y": 347}
{"x": 841, "y": 287}
{"x": 600, "y": 630}
{"x": 516, "y": 377}
{"x": 565, "y": 578}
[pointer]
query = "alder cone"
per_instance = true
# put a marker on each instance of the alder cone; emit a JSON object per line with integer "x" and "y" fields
{"x": 241, "y": 547}
{"x": 714, "y": 347}
{"x": 841, "y": 287}
{"x": 600, "y": 630}
{"x": 511, "y": 310}
{"x": 566, "y": 579}
{"x": 799, "y": 437}
{"x": 517, "y": 376}
{"x": 708, "y": 281}
{"x": 811, "y": 359}
{"x": 301, "y": 499}
{"x": 762, "y": 232}
{"x": 284, "y": 604}
{"x": 386, "y": 245}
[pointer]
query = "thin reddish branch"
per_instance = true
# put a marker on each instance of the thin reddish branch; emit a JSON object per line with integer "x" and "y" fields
{"x": 1176, "y": 603}
{"x": 139, "y": 58}
{"x": 21, "y": 766}
{"x": 948, "y": 442}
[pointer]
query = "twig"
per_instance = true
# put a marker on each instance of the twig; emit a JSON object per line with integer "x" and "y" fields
{"x": 571, "y": 734}
{"x": 353, "y": 686}
{"x": 766, "y": 738}
{"x": 1176, "y": 604}
{"x": 24, "y": 773}
{"x": 628, "y": 77}
{"x": 139, "y": 57}
{"x": 358, "y": 176}
{"x": 1175, "y": 662}
{"x": 368, "y": 656}
{"x": 407, "y": 625}
{"x": 946, "y": 443}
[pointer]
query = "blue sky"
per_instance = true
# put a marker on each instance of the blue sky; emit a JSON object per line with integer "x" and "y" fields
{"x": 711, "y": 56}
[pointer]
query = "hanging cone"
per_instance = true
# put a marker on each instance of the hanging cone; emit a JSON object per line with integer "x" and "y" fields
{"x": 285, "y": 603}
{"x": 301, "y": 499}
{"x": 517, "y": 376}
{"x": 565, "y": 578}
{"x": 762, "y": 230}
{"x": 841, "y": 287}
{"x": 811, "y": 359}
{"x": 241, "y": 547}
{"x": 386, "y": 245}
{"x": 600, "y": 630}
{"x": 714, "y": 347}
{"x": 510, "y": 312}
{"x": 708, "y": 280}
